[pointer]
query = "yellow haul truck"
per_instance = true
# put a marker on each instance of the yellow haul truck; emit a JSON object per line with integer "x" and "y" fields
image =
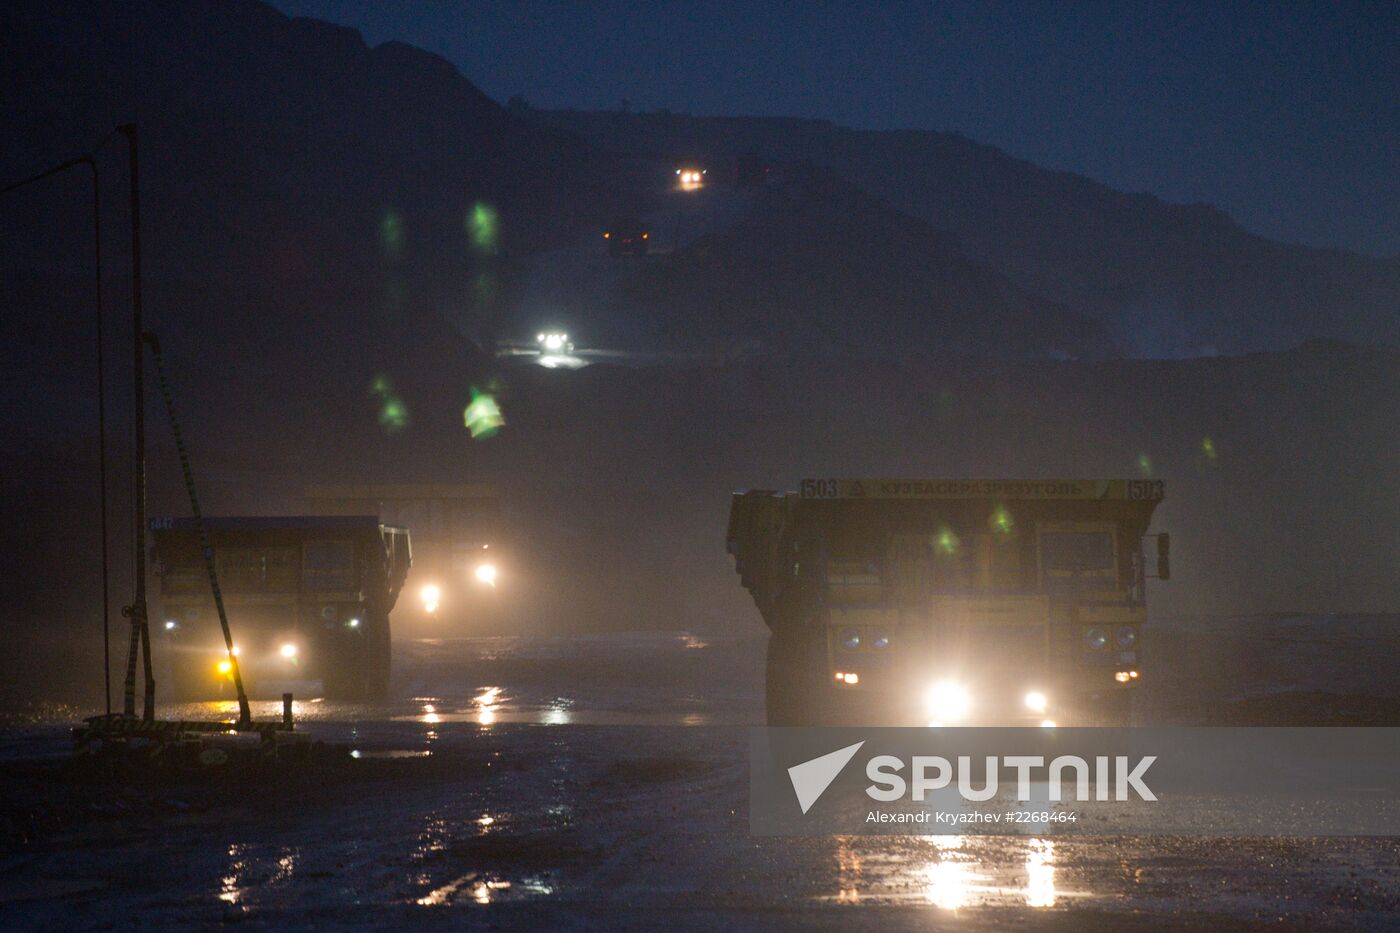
{"x": 307, "y": 598}
{"x": 950, "y": 602}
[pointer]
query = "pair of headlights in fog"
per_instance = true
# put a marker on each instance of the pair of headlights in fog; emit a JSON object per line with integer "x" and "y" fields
{"x": 1096, "y": 639}
{"x": 431, "y": 594}
{"x": 287, "y": 650}
{"x": 851, "y": 640}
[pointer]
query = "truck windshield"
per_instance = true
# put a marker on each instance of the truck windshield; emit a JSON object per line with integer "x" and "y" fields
{"x": 256, "y": 569}
{"x": 1076, "y": 551}
{"x": 328, "y": 565}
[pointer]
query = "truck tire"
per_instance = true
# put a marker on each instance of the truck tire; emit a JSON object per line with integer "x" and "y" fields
{"x": 792, "y": 685}
{"x": 379, "y": 655}
{"x": 1113, "y": 710}
{"x": 345, "y": 679}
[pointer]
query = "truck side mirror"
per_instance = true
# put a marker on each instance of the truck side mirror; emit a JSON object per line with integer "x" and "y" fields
{"x": 1164, "y": 556}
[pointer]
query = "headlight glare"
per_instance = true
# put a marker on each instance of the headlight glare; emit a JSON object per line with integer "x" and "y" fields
{"x": 948, "y": 701}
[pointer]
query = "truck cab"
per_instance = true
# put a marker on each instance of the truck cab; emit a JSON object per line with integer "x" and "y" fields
{"x": 950, "y": 602}
{"x": 307, "y": 598}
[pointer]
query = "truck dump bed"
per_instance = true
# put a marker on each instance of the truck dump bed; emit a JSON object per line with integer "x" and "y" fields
{"x": 875, "y": 589}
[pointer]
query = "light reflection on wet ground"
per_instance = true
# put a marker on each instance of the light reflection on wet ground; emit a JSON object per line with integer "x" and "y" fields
{"x": 645, "y": 679}
{"x": 948, "y": 872}
{"x": 596, "y": 781}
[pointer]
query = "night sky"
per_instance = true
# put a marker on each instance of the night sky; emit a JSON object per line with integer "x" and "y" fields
{"x": 1286, "y": 115}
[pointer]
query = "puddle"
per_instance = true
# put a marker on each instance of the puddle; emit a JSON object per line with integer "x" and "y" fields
{"x": 949, "y": 872}
{"x": 561, "y": 717}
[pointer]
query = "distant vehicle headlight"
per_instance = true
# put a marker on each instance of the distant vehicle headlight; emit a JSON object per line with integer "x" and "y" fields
{"x": 353, "y": 623}
{"x": 1096, "y": 639}
{"x": 225, "y": 666}
{"x": 171, "y": 625}
{"x": 1036, "y": 701}
{"x": 947, "y": 701}
{"x": 850, "y": 640}
{"x": 879, "y": 640}
{"x": 288, "y": 651}
{"x": 486, "y": 573}
{"x": 431, "y": 595}
{"x": 1127, "y": 637}
{"x": 554, "y": 342}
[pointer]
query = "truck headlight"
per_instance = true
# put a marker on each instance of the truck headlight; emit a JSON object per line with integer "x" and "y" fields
{"x": 171, "y": 625}
{"x": 1096, "y": 639}
{"x": 850, "y": 640}
{"x": 1036, "y": 702}
{"x": 1127, "y": 637}
{"x": 486, "y": 573}
{"x": 431, "y": 595}
{"x": 288, "y": 651}
{"x": 947, "y": 701}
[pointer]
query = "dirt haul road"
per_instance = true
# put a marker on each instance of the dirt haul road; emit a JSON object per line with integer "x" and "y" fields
{"x": 602, "y": 783}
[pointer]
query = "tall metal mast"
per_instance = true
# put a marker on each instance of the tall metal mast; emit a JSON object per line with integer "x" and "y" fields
{"x": 137, "y": 611}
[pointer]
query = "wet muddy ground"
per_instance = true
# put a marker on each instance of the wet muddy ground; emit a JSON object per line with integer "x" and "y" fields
{"x": 602, "y": 783}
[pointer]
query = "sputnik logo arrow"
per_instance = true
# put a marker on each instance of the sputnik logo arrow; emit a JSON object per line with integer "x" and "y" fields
{"x": 811, "y": 778}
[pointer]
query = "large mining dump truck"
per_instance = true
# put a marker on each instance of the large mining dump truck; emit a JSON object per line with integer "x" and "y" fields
{"x": 950, "y": 602}
{"x": 307, "y": 598}
{"x": 461, "y": 569}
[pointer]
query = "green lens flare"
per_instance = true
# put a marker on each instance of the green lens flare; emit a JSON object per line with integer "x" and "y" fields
{"x": 1208, "y": 448}
{"x": 393, "y": 413}
{"x": 391, "y": 234}
{"x": 484, "y": 227}
{"x": 1002, "y": 521}
{"x": 1145, "y": 464}
{"x": 947, "y": 542}
{"x": 482, "y": 415}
